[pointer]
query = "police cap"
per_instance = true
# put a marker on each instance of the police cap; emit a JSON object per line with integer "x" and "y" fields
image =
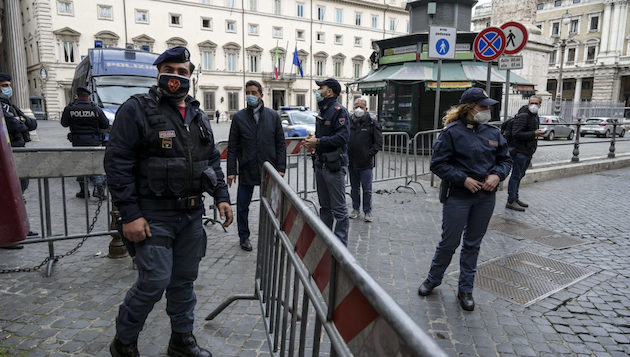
{"x": 177, "y": 54}
{"x": 330, "y": 83}
{"x": 5, "y": 77}
{"x": 476, "y": 96}
{"x": 83, "y": 89}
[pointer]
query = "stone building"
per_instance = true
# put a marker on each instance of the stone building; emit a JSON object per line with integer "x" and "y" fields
{"x": 596, "y": 37}
{"x": 230, "y": 41}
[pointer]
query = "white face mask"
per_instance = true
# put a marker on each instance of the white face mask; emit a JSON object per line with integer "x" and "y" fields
{"x": 359, "y": 112}
{"x": 533, "y": 108}
{"x": 483, "y": 116}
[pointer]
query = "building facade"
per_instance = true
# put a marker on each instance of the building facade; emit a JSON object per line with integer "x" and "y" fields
{"x": 595, "y": 35}
{"x": 231, "y": 41}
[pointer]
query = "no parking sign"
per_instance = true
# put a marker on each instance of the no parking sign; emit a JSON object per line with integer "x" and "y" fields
{"x": 489, "y": 44}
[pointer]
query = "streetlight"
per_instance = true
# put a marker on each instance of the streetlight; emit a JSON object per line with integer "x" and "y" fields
{"x": 566, "y": 19}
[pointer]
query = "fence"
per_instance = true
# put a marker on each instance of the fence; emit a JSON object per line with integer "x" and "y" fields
{"x": 307, "y": 283}
{"x": 52, "y": 167}
{"x": 571, "y": 111}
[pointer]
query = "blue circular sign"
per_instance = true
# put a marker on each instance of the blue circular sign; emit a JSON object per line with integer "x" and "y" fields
{"x": 442, "y": 46}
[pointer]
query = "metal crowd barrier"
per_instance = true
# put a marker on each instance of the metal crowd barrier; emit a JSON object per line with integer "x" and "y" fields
{"x": 307, "y": 282}
{"x": 422, "y": 150}
{"x": 392, "y": 162}
{"x": 51, "y": 167}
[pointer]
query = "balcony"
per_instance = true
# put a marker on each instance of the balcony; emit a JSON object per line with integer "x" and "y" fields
{"x": 282, "y": 77}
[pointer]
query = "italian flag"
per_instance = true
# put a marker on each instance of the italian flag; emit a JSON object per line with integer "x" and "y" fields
{"x": 277, "y": 62}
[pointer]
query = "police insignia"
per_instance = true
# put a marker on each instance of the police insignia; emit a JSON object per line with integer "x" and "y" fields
{"x": 186, "y": 55}
{"x": 167, "y": 143}
{"x": 173, "y": 85}
{"x": 342, "y": 120}
{"x": 493, "y": 143}
{"x": 167, "y": 134}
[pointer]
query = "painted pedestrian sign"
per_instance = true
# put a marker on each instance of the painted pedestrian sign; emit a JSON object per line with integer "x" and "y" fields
{"x": 516, "y": 37}
{"x": 442, "y": 42}
{"x": 489, "y": 44}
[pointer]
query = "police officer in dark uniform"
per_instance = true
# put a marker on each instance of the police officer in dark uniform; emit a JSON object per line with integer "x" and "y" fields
{"x": 86, "y": 121}
{"x": 160, "y": 158}
{"x": 332, "y": 131}
{"x": 471, "y": 158}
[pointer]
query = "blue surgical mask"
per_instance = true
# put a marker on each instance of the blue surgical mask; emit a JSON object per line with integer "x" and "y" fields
{"x": 318, "y": 96}
{"x": 252, "y": 100}
{"x": 7, "y": 92}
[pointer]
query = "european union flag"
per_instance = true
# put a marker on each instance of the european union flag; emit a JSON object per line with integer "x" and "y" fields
{"x": 296, "y": 62}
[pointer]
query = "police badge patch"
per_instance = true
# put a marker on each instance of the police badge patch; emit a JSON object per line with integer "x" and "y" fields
{"x": 167, "y": 143}
{"x": 167, "y": 134}
{"x": 342, "y": 120}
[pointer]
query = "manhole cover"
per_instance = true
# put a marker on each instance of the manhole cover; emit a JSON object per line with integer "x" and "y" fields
{"x": 527, "y": 231}
{"x": 526, "y": 278}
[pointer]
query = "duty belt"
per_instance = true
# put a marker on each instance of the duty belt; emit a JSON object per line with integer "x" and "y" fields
{"x": 171, "y": 203}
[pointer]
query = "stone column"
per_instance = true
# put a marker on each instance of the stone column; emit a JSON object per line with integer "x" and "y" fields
{"x": 16, "y": 55}
{"x": 576, "y": 97}
{"x": 606, "y": 26}
{"x": 614, "y": 30}
{"x": 623, "y": 18}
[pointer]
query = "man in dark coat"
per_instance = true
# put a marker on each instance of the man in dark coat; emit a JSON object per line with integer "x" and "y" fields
{"x": 86, "y": 121}
{"x": 256, "y": 136}
{"x": 18, "y": 124}
{"x": 366, "y": 139}
{"x": 525, "y": 131}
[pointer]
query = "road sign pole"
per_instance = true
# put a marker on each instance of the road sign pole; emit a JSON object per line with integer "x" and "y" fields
{"x": 507, "y": 94}
{"x": 436, "y": 112}
{"x": 489, "y": 79}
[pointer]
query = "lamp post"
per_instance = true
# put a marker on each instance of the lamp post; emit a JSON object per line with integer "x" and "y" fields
{"x": 563, "y": 45}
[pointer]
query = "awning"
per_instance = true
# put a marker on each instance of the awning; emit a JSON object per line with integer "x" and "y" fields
{"x": 459, "y": 74}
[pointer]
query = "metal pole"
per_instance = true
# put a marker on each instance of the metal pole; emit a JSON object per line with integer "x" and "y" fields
{"x": 558, "y": 104}
{"x": 507, "y": 94}
{"x": 436, "y": 112}
{"x": 489, "y": 78}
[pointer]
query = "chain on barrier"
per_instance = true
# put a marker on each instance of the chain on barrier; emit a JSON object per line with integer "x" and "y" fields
{"x": 61, "y": 256}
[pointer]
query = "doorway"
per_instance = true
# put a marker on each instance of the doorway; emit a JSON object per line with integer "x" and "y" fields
{"x": 278, "y": 99}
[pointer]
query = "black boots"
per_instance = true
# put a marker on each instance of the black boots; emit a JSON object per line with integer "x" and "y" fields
{"x": 246, "y": 245}
{"x": 185, "y": 345}
{"x": 118, "y": 349}
{"x": 84, "y": 191}
{"x": 466, "y": 301}
{"x": 426, "y": 288}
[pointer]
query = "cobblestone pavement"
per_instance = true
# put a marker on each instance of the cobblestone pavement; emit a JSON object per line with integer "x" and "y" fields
{"x": 72, "y": 313}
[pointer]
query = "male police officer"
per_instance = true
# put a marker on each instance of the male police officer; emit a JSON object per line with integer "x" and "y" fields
{"x": 332, "y": 131}
{"x": 159, "y": 159}
{"x": 86, "y": 120}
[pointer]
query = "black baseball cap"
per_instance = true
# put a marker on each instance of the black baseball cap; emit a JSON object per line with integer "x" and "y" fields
{"x": 83, "y": 89}
{"x": 477, "y": 96}
{"x": 330, "y": 83}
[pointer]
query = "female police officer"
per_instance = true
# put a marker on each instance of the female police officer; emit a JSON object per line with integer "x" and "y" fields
{"x": 471, "y": 158}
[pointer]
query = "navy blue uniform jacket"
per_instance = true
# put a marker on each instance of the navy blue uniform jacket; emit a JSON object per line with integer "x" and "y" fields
{"x": 251, "y": 144}
{"x": 466, "y": 149}
{"x": 126, "y": 144}
{"x": 333, "y": 129}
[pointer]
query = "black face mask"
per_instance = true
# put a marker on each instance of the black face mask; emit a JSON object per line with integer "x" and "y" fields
{"x": 173, "y": 85}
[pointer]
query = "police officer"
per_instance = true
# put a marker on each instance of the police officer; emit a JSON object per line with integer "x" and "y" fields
{"x": 160, "y": 158}
{"x": 332, "y": 131}
{"x": 86, "y": 121}
{"x": 471, "y": 158}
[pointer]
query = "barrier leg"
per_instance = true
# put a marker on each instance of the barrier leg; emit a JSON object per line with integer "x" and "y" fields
{"x": 227, "y": 303}
{"x": 51, "y": 247}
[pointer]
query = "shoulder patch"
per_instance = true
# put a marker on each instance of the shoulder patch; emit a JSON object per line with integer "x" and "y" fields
{"x": 338, "y": 107}
{"x": 342, "y": 120}
{"x": 450, "y": 125}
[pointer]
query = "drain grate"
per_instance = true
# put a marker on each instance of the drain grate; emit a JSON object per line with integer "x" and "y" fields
{"x": 527, "y": 231}
{"x": 526, "y": 278}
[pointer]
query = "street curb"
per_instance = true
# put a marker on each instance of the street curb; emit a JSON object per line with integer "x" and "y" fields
{"x": 573, "y": 169}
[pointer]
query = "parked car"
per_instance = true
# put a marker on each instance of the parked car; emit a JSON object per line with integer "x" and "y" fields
{"x": 297, "y": 121}
{"x": 558, "y": 128}
{"x": 602, "y": 127}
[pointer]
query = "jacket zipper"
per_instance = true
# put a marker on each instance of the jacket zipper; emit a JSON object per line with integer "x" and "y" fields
{"x": 190, "y": 167}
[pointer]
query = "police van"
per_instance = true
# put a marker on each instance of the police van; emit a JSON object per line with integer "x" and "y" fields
{"x": 115, "y": 74}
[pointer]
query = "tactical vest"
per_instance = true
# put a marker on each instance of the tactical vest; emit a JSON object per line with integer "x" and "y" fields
{"x": 83, "y": 123}
{"x": 174, "y": 155}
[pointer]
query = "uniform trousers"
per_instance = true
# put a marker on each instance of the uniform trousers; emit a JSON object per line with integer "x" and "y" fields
{"x": 468, "y": 214}
{"x": 331, "y": 192}
{"x": 168, "y": 261}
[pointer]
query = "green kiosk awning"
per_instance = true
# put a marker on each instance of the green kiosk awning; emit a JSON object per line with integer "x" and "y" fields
{"x": 455, "y": 75}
